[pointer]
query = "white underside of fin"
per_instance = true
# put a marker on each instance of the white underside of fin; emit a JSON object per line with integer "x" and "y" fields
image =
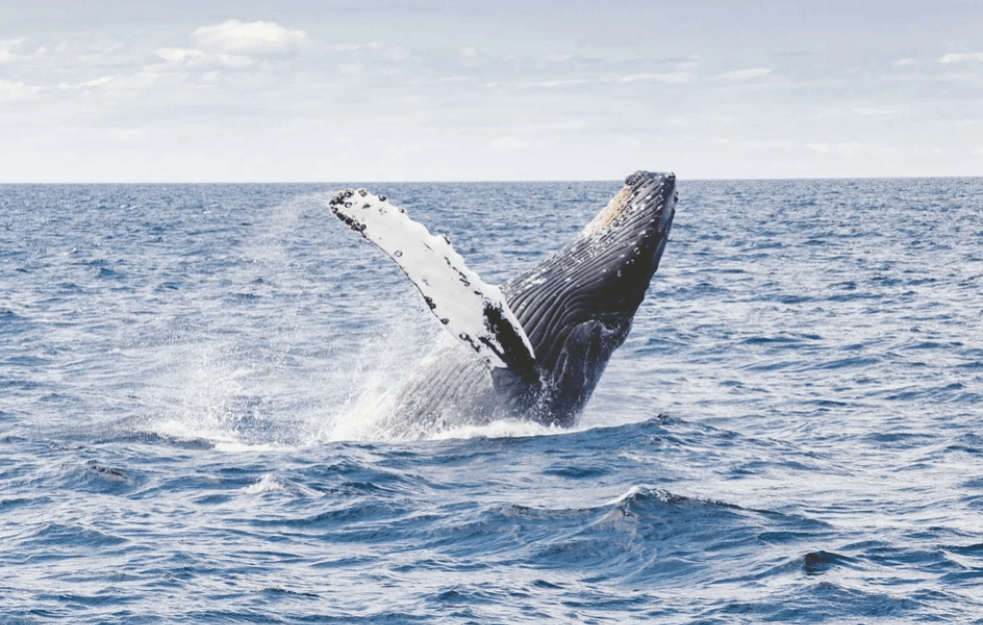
{"x": 467, "y": 308}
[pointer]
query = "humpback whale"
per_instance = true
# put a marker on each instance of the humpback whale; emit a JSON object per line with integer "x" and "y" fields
{"x": 534, "y": 348}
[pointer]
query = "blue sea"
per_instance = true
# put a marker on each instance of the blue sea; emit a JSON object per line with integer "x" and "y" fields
{"x": 792, "y": 433}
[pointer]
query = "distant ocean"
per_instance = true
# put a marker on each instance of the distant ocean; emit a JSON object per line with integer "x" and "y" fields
{"x": 793, "y": 431}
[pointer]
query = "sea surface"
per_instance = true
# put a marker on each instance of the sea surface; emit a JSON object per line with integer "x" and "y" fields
{"x": 793, "y": 431}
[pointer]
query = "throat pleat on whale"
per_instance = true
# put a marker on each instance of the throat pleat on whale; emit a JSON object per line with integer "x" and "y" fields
{"x": 536, "y": 347}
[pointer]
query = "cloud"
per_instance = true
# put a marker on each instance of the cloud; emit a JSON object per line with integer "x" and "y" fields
{"x": 744, "y": 74}
{"x": 467, "y": 52}
{"x": 870, "y": 111}
{"x": 98, "y": 82}
{"x": 558, "y": 58}
{"x": 7, "y": 49}
{"x": 835, "y": 148}
{"x": 10, "y": 90}
{"x": 508, "y": 143}
{"x": 905, "y": 63}
{"x": 765, "y": 144}
{"x": 182, "y": 56}
{"x": 572, "y": 125}
{"x": 190, "y": 57}
{"x": 355, "y": 47}
{"x": 863, "y": 111}
{"x": 959, "y": 76}
{"x": 397, "y": 53}
{"x": 233, "y": 36}
{"x": 677, "y": 78}
{"x": 959, "y": 58}
{"x": 552, "y": 84}
{"x": 345, "y": 47}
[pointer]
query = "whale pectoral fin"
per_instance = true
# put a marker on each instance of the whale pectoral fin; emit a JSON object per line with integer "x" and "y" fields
{"x": 475, "y": 313}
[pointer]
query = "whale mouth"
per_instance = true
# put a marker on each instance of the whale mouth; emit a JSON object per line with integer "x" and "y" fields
{"x": 643, "y": 192}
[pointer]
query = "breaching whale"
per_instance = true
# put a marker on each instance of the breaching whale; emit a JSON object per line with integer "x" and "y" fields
{"x": 535, "y": 348}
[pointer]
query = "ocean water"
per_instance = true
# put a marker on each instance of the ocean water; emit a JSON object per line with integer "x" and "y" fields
{"x": 791, "y": 433}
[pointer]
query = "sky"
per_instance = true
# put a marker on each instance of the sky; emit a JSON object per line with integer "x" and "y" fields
{"x": 414, "y": 90}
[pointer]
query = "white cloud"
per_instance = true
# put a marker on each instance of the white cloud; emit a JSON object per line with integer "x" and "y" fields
{"x": 835, "y": 148}
{"x": 233, "y": 36}
{"x": 98, "y": 82}
{"x": 978, "y": 152}
{"x": 233, "y": 60}
{"x": 870, "y": 111}
{"x": 905, "y": 63}
{"x": 7, "y": 49}
{"x": 98, "y": 52}
{"x": 190, "y": 57}
{"x": 678, "y": 78}
{"x": 959, "y": 58}
{"x": 744, "y": 74}
{"x": 675, "y": 122}
{"x": 182, "y": 56}
{"x": 567, "y": 126}
{"x": 559, "y": 58}
{"x": 355, "y": 47}
{"x": 398, "y": 53}
{"x": 467, "y": 52}
{"x": 508, "y": 143}
{"x": 552, "y": 84}
{"x": 10, "y": 90}
{"x": 780, "y": 144}
{"x": 863, "y": 111}
{"x": 960, "y": 77}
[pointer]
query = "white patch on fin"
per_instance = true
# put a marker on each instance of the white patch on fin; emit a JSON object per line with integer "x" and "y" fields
{"x": 475, "y": 313}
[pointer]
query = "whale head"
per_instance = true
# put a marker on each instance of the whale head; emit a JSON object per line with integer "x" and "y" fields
{"x": 577, "y": 307}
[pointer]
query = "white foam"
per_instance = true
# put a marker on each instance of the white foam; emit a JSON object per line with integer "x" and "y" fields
{"x": 505, "y": 428}
{"x": 272, "y": 483}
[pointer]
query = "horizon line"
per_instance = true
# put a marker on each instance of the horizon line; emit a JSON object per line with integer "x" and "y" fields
{"x": 522, "y": 180}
